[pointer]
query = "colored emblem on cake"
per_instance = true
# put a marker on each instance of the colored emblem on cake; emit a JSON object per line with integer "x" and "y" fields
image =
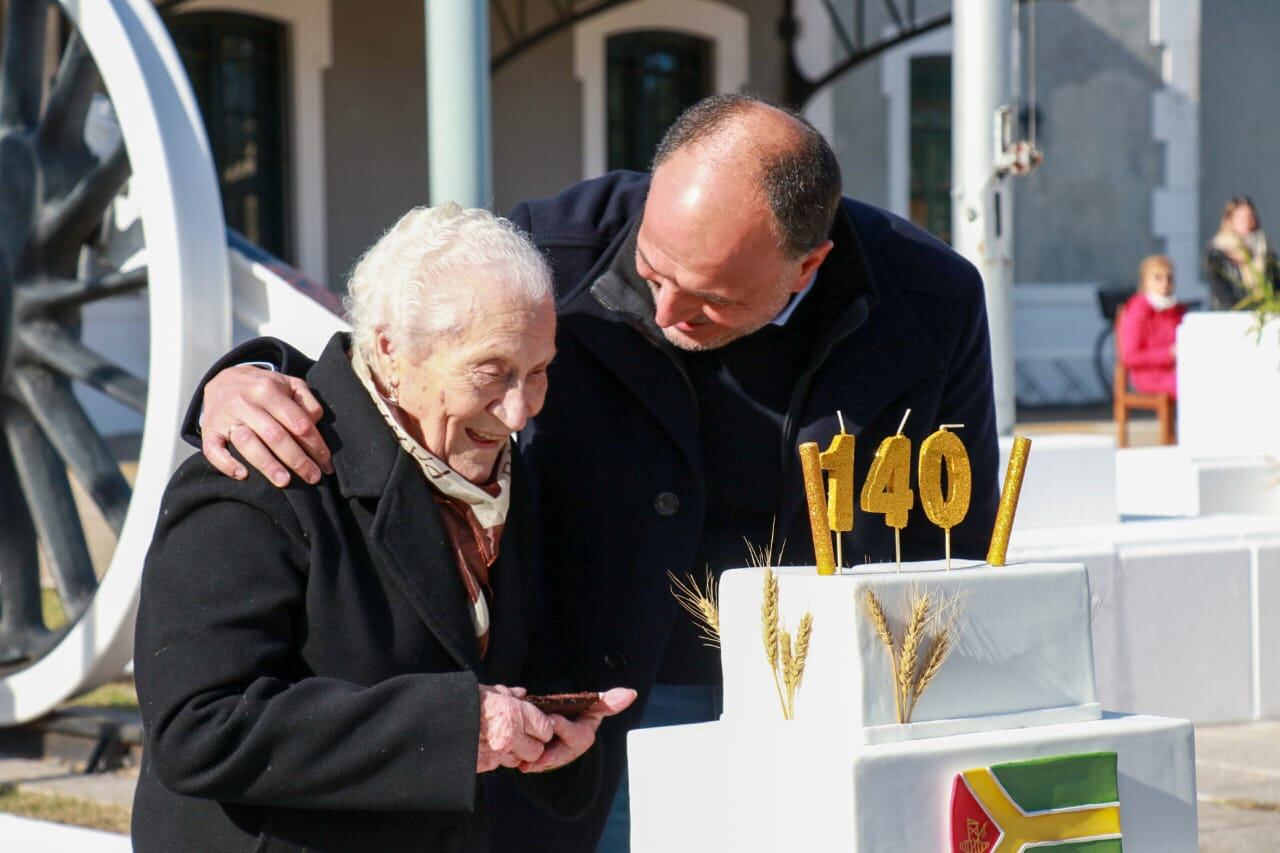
{"x": 1064, "y": 804}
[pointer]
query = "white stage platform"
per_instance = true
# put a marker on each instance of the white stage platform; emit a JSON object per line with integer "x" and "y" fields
{"x": 1184, "y": 566}
{"x": 21, "y": 834}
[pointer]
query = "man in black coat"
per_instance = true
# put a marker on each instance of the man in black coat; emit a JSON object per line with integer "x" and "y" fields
{"x": 711, "y": 318}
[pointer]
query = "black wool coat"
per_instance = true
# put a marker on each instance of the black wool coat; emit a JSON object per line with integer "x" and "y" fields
{"x": 615, "y": 460}
{"x": 306, "y": 666}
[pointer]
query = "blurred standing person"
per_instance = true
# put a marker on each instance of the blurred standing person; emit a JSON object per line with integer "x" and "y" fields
{"x": 1241, "y": 264}
{"x": 1148, "y": 328}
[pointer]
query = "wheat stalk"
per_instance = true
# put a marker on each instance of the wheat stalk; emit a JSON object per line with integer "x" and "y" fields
{"x": 702, "y": 605}
{"x": 911, "y": 641}
{"x": 940, "y": 647}
{"x": 788, "y": 662}
{"x": 770, "y": 625}
{"x": 880, "y": 621}
{"x": 795, "y": 668}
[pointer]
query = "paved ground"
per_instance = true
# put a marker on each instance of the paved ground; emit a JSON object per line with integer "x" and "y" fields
{"x": 1237, "y": 772}
{"x": 1238, "y": 780}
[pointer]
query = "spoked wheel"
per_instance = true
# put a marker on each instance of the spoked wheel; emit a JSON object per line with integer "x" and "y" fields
{"x": 62, "y": 249}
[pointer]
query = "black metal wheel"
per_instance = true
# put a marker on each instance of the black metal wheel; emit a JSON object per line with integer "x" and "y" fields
{"x": 56, "y": 193}
{"x": 109, "y": 205}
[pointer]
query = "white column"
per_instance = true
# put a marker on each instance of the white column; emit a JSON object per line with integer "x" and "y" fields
{"x": 1175, "y": 121}
{"x": 458, "y": 135}
{"x": 982, "y": 209}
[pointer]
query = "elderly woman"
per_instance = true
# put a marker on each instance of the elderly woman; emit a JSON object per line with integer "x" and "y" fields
{"x": 1242, "y": 267}
{"x": 320, "y": 667}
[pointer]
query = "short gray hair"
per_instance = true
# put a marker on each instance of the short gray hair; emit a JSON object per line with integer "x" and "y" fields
{"x": 410, "y": 280}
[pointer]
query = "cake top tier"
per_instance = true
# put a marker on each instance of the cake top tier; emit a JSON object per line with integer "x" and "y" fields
{"x": 1021, "y": 651}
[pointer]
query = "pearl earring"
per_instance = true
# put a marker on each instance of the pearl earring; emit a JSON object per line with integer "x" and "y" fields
{"x": 393, "y": 395}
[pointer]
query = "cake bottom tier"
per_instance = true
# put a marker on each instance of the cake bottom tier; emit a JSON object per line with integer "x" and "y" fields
{"x": 788, "y": 787}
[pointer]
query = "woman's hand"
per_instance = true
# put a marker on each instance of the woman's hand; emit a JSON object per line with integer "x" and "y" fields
{"x": 270, "y": 418}
{"x": 512, "y": 731}
{"x": 574, "y": 737}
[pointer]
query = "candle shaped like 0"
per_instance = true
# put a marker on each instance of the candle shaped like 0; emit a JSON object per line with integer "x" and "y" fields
{"x": 811, "y": 466}
{"x": 944, "y": 448}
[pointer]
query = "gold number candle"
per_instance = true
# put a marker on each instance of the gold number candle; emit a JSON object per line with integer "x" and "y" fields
{"x": 1009, "y": 495}
{"x": 944, "y": 449}
{"x": 837, "y": 461}
{"x": 811, "y": 466}
{"x": 888, "y": 487}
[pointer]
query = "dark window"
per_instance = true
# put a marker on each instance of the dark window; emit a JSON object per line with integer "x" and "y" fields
{"x": 237, "y": 65}
{"x": 931, "y": 144}
{"x": 653, "y": 76}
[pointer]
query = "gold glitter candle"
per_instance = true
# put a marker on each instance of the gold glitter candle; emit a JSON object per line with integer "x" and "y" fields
{"x": 887, "y": 489}
{"x": 837, "y": 461}
{"x": 944, "y": 448}
{"x": 1009, "y": 501}
{"x": 814, "y": 493}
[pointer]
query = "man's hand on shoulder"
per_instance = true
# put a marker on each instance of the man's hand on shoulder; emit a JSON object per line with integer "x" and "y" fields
{"x": 270, "y": 418}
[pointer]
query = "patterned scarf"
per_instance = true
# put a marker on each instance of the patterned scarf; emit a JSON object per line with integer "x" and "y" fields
{"x": 1249, "y": 254}
{"x": 473, "y": 515}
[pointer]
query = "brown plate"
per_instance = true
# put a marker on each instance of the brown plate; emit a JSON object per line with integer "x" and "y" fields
{"x": 569, "y": 705}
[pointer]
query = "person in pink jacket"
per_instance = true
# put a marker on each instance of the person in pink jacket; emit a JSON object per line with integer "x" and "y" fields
{"x": 1148, "y": 327}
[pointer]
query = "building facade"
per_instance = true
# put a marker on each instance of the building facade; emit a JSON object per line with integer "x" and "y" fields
{"x": 1150, "y": 114}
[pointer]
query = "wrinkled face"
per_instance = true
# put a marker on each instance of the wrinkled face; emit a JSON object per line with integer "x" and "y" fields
{"x": 1158, "y": 280}
{"x": 709, "y": 253}
{"x": 473, "y": 389}
{"x": 1243, "y": 220}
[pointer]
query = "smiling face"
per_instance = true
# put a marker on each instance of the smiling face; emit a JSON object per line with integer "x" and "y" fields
{"x": 1243, "y": 219}
{"x": 473, "y": 389}
{"x": 708, "y": 249}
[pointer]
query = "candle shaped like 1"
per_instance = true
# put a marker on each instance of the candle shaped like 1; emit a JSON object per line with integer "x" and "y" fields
{"x": 1009, "y": 495}
{"x": 837, "y": 461}
{"x": 944, "y": 448}
{"x": 811, "y": 466}
{"x": 888, "y": 487}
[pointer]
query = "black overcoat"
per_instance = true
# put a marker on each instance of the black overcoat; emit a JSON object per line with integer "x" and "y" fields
{"x": 306, "y": 666}
{"x": 615, "y": 455}
{"x": 615, "y": 458}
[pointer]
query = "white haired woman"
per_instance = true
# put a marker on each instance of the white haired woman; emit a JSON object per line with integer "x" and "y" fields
{"x": 319, "y": 667}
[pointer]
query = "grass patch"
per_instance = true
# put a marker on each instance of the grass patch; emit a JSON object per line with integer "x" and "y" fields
{"x": 54, "y": 616}
{"x": 117, "y": 694}
{"x": 68, "y": 810}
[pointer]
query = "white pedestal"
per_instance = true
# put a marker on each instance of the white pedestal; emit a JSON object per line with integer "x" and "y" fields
{"x": 1228, "y": 386}
{"x": 791, "y": 786}
{"x": 1183, "y": 610}
{"x": 1169, "y": 481}
{"x": 1070, "y": 480}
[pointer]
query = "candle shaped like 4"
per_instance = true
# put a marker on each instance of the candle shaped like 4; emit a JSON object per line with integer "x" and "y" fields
{"x": 811, "y": 466}
{"x": 944, "y": 449}
{"x": 888, "y": 487}
{"x": 837, "y": 461}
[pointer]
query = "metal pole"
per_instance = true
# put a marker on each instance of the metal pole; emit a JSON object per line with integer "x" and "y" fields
{"x": 458, "y": 137}
{"x": 982, "y": 208}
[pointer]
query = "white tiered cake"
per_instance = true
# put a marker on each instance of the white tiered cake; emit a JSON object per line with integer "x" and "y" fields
{"x": 1007, "y": 746}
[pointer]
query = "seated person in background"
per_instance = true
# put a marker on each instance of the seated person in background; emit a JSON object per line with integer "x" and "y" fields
{"x": 1241, "y": 265}
{"x": 314, "y": 663}
{"x": 1148, "y": 328}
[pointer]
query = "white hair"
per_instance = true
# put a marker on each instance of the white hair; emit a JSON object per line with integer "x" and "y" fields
{"x": 409, "y": 283}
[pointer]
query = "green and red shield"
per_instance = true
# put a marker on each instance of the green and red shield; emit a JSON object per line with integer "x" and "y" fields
{"x": 1065, "y": 804}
